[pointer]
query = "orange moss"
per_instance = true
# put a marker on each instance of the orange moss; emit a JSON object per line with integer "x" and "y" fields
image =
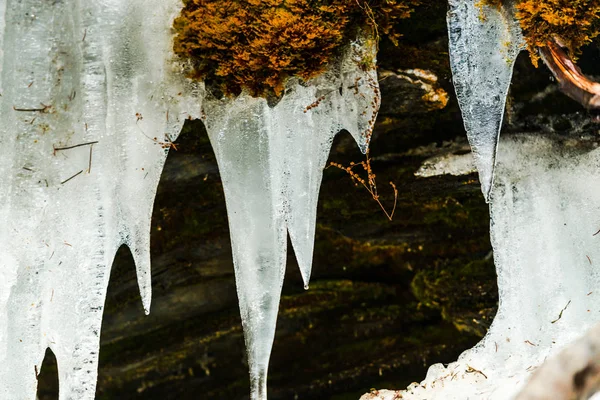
{"x": 572, "y": 23}
{"x": 259, "y": 44}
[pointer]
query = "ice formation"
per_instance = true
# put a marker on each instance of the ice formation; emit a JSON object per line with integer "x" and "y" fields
{"x": 571, "y": 374}
{"x": 545, "y": 210}
{"x": 88, "y": 110}
{"x": 544, "y": 216}
{"x": 271, "y": 161}
{"x": 484, "y": 44}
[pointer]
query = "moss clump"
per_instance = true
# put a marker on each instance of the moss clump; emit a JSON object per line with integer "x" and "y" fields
{"x": 574, "y": 23}
{"x": 258, "y": 44}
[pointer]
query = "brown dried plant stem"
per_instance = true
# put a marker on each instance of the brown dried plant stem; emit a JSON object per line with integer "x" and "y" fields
{"x": 370, "y": 183}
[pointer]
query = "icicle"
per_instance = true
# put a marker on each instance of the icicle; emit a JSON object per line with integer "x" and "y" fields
{"x": 85, "y": 106}
{"x": 484, "y": 44}
{"x": 271, "y": 161}
{"x": 89, "y": 112}
{"x": 545, "y": 211}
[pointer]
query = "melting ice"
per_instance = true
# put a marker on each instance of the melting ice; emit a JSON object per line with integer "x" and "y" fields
{"x": 89, "y": 110}
{"x": 271, "y": 161}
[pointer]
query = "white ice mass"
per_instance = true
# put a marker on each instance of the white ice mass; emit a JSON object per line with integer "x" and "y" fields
{"x": 544, "y": 208}
{"x": 88, "y": 112}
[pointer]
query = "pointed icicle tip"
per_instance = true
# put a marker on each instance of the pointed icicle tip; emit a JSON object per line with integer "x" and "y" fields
{"x": 141, "y": 257}
{"x": 487, "y": 181}
{"x": 146, "y": 302}
{"x": 484, "y": 155}
{"x": 305, "y": 277}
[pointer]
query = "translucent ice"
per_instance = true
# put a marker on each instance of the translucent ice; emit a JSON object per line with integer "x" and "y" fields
{"x": 484, "y": 43}
{"x": 88, "y": 110}
{"x": 545, "y": 210}
{"x": 271, "y": 161}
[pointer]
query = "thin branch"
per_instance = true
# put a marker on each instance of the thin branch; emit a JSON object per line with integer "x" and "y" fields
{"x": 67, "y": 180}
{"x": 572, "y": 81}
{"x": 74, "y": 146}
{"x": 561, "y": 313}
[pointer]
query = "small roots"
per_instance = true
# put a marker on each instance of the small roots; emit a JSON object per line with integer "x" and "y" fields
{"x": 370, "y": 183}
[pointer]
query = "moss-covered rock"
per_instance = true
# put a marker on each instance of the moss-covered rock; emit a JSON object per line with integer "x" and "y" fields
{"x": 259, "y": 44}
{"x": 464, "y": 291}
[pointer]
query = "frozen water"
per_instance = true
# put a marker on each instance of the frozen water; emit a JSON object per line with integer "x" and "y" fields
{"x": 271, "y": 161}
{"x": 83, "y": 97}
{"x": 544, "y": 213}
{"x": 571, "y": 374}
{"x": 484, "y": 43}
{"x": 447, "y": 164}
{"x": 89, "y": 111}
{"x": 545, "y": 210}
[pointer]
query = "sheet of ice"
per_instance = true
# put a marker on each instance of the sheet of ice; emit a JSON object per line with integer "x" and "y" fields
{"x": 571, "y": 374}
{"x": 447, "y": 164}
{"x": 484, "y": 44}
{"x": 77, "y": 73}
{"x": 271, "y": 161}
{"x": 545, "y": 210}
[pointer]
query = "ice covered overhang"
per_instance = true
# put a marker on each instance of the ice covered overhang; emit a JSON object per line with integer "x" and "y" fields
{"x": 89, "y": 111}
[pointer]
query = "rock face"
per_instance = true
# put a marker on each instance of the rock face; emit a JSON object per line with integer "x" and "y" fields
{"x": 386, "y": 300}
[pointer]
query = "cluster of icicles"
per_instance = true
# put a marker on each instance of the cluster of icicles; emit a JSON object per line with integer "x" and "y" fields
{"x": 92, "y": 98}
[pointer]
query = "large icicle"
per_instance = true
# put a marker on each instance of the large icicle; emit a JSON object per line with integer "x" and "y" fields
{"x": 545, "y": 209}
{"x": 484, "y": 44}
{"x": 271, "y": 161}
{"x": 83, "y": 97}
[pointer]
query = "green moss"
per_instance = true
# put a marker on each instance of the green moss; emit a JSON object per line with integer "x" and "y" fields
{"x": 465, "y": 292}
